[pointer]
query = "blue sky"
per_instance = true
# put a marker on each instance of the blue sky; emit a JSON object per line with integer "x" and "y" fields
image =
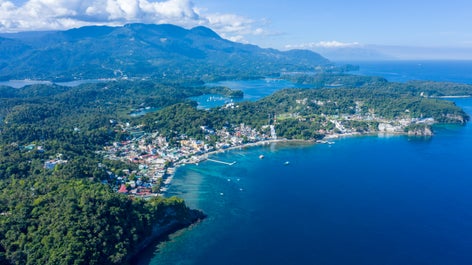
{"x": 399, "y": 22}
{"x": 281, "y": 24}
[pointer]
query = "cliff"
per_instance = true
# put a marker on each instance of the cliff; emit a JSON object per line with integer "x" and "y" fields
{"x": 419, "y": 130}
{"x": 162, "y": 231}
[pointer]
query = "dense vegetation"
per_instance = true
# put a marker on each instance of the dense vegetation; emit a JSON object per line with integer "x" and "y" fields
{"x": 69, "y": 215}
{"x": 52, "y": 220}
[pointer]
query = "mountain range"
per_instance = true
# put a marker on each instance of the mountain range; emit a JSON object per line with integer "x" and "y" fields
{"x": 141, "y": 50}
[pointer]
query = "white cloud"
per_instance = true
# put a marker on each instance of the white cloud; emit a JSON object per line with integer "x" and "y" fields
{"x": 230, "y": 23}
{"x": 6, "y": 6}
{"x": 259, "y": 31}
{"x": 324, "y": 44}
{"x": 65, "y": 14}
{"x": 237, "y": 38}
{"x": 336, "y": 44}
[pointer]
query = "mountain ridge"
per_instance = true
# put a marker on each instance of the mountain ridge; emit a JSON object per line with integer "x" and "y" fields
{"x": 142, "y": 50}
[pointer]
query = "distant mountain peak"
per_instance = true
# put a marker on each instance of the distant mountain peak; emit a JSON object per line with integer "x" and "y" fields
{"x": 88, "y": 32}
{"x": 142, "y": 50}
{"x": 204, "y": 31}
{"x": 157, "y": 29}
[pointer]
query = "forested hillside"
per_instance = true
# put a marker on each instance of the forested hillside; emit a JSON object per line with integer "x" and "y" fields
{"x": 139, "y": 50}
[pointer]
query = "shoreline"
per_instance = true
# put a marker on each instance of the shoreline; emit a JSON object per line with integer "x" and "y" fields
{"x": 203, "y": 157}
{"x": 452, "y": 97}
{"x": 195, "y": 159}
{"x": 145, "y": 249}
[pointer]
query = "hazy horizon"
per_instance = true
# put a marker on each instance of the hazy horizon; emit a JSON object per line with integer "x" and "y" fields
{"x": 395, "y": 30}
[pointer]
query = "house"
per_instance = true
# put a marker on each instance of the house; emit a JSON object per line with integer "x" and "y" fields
{"x": 51, "y": 164}
{"x": 123, "y": 189}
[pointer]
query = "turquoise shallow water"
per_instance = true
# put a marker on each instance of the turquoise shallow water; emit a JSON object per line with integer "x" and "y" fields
{"x": 363, "y": 200}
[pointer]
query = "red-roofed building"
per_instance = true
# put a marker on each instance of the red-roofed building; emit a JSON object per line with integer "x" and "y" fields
{"x": 123, "y": 189}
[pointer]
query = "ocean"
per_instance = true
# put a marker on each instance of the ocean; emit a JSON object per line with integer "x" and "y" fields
{"x": 363, "y": 200}
{"x": 401, "y": 71}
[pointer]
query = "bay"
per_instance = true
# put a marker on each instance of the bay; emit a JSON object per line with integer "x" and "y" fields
{"x": 258, "y": 88}
{"x": 362, "y": 200}
{"x": 208, "y": 101}
{"x": 253, "y": 90}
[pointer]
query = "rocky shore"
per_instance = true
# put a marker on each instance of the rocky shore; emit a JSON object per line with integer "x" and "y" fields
{"x": 161, "y": 233}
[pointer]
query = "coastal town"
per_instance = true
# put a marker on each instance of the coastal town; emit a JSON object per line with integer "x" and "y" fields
{"x": 156, "y": 159}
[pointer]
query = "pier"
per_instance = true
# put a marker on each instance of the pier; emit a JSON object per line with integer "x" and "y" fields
{"x": 222, "y": 162}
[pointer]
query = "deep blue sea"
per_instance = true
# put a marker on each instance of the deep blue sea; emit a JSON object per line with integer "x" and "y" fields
{"x": 400, "y": 71}
{"x": 363, "y": 200}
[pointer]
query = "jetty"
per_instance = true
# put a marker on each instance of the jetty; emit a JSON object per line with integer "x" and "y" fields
{"x": 221, "y": 162}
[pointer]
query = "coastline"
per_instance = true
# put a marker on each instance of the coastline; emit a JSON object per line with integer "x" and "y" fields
{"x": 452, "y": 97}
{"x": 254, "y": 144}
{"x": 202, "y": 157}
{"x": 195, "y": 159}
{"x": 143, "y": 252}
{"x": 325, "y": 140}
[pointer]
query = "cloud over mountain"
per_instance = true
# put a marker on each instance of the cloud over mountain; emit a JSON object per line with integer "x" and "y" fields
{"x": 66, "y": 14}
{"x": 324, "y": 44}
